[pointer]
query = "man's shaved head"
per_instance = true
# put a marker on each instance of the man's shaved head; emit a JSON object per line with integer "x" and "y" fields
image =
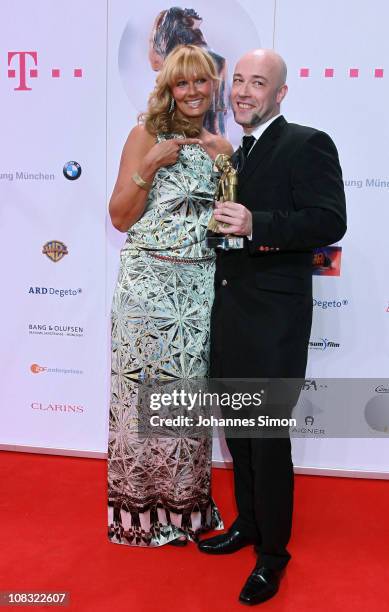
{"x": 258, "y": 87}
{"x": 274, "y": 60}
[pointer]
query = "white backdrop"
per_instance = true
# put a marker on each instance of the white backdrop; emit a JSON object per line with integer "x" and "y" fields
{"x": 59, "y": 119}
{"x": 91, "y": 80}
{"x": 343, "y": 36}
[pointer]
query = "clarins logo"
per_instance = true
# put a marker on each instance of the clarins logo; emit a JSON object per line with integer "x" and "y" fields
{"x": 58, "y": 408}
{"x": 23, "y": 67}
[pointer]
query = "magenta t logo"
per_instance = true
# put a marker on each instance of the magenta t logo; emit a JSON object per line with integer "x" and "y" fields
{"x": 22, "y": 68}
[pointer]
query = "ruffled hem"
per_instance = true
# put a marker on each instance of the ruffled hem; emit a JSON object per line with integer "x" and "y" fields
{"x": 159, "y": 526}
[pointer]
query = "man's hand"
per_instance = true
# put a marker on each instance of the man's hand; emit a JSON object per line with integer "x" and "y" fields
{"x": 233, "y": 218}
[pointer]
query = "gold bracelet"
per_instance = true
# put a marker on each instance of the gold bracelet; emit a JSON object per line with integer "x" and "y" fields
{"x": 140, "y": 182}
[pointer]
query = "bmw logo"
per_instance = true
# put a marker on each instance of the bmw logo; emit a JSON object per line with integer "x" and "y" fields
{"x": 72, "y": 170}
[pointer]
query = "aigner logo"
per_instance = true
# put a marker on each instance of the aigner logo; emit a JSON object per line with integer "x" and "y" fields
{"x": 72, "y": 170}
{"x": 23, "y": 65}
{"x": 55, "y": 250}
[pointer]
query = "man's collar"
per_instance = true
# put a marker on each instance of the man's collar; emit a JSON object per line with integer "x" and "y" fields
{"x": 257, "y": 133}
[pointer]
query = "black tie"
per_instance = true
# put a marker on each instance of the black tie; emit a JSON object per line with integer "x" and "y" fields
{"x": 247, "y": 143}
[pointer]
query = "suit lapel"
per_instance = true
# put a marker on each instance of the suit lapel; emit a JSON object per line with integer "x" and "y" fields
{"x": 262, "y": 147}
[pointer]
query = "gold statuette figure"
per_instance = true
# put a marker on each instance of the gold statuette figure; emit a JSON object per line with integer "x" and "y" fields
{"x": 227, "y": 186}
{"x": 227, "y": 189}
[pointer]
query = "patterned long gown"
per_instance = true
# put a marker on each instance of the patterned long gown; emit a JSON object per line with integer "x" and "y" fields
{"x": 159, "y": 488}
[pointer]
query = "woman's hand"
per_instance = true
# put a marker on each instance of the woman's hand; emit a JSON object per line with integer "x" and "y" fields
{"x": 143, "y": 156}
{"x": 166, "y": 153}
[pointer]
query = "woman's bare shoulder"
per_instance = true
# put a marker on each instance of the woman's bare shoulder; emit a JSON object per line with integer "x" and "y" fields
{"x": 141, "y": 136}
{"x": 139, "y": 141}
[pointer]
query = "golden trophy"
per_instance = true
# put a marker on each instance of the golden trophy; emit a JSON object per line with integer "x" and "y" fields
{"x": 226, "y": 190}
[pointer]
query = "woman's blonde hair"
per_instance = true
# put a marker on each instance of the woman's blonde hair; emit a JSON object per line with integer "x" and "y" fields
{"x": 185, "y": 61}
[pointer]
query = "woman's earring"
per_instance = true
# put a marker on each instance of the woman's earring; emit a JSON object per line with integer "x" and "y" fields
{"x": 172, "y": 105}
{"x": 214, "y": 101}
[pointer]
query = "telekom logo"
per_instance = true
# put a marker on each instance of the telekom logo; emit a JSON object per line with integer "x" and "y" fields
{"x": 23, "y": 66}
{"x": 352, "y": 73}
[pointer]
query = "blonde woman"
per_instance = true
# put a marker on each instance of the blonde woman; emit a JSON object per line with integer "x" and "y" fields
{"x": 159, "y": 488}
{"x": 175, "y": 26}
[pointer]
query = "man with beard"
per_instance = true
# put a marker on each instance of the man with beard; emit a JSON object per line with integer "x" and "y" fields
{"x": 290, "y": 201}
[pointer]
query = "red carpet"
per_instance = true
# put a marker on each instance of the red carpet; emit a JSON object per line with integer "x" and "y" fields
{"x": 53, "y": 538}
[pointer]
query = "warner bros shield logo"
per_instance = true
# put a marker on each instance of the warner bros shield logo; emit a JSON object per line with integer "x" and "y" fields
{"x": 55, "y": 250}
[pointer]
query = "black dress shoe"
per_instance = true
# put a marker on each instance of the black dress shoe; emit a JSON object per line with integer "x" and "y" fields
{"x": 226, "y": 543}
{"x": 261, "y": 585}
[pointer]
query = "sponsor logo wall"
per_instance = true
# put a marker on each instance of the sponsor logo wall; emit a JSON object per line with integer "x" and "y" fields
{"x": 350, "y": 295}
{"x": 335, "y": 87}
{"x": 62, "y": 111}
{"x": 53, "y": 212}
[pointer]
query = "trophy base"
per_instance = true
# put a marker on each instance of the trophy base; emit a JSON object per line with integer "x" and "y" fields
{"x": 225, "y": 243}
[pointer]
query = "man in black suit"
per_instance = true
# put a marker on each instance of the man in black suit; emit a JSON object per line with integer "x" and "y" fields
{"x": 290, "y": 200}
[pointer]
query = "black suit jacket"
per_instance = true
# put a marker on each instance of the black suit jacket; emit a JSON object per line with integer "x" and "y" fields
{"x": 262, "y": 313}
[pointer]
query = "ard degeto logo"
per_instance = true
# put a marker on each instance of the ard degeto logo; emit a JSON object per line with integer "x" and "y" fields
{"x": 53, "y": 291}
{"x": 55, "y": 250}
{"x": 72, "y": 170}
{"x": 329, "y": 304}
